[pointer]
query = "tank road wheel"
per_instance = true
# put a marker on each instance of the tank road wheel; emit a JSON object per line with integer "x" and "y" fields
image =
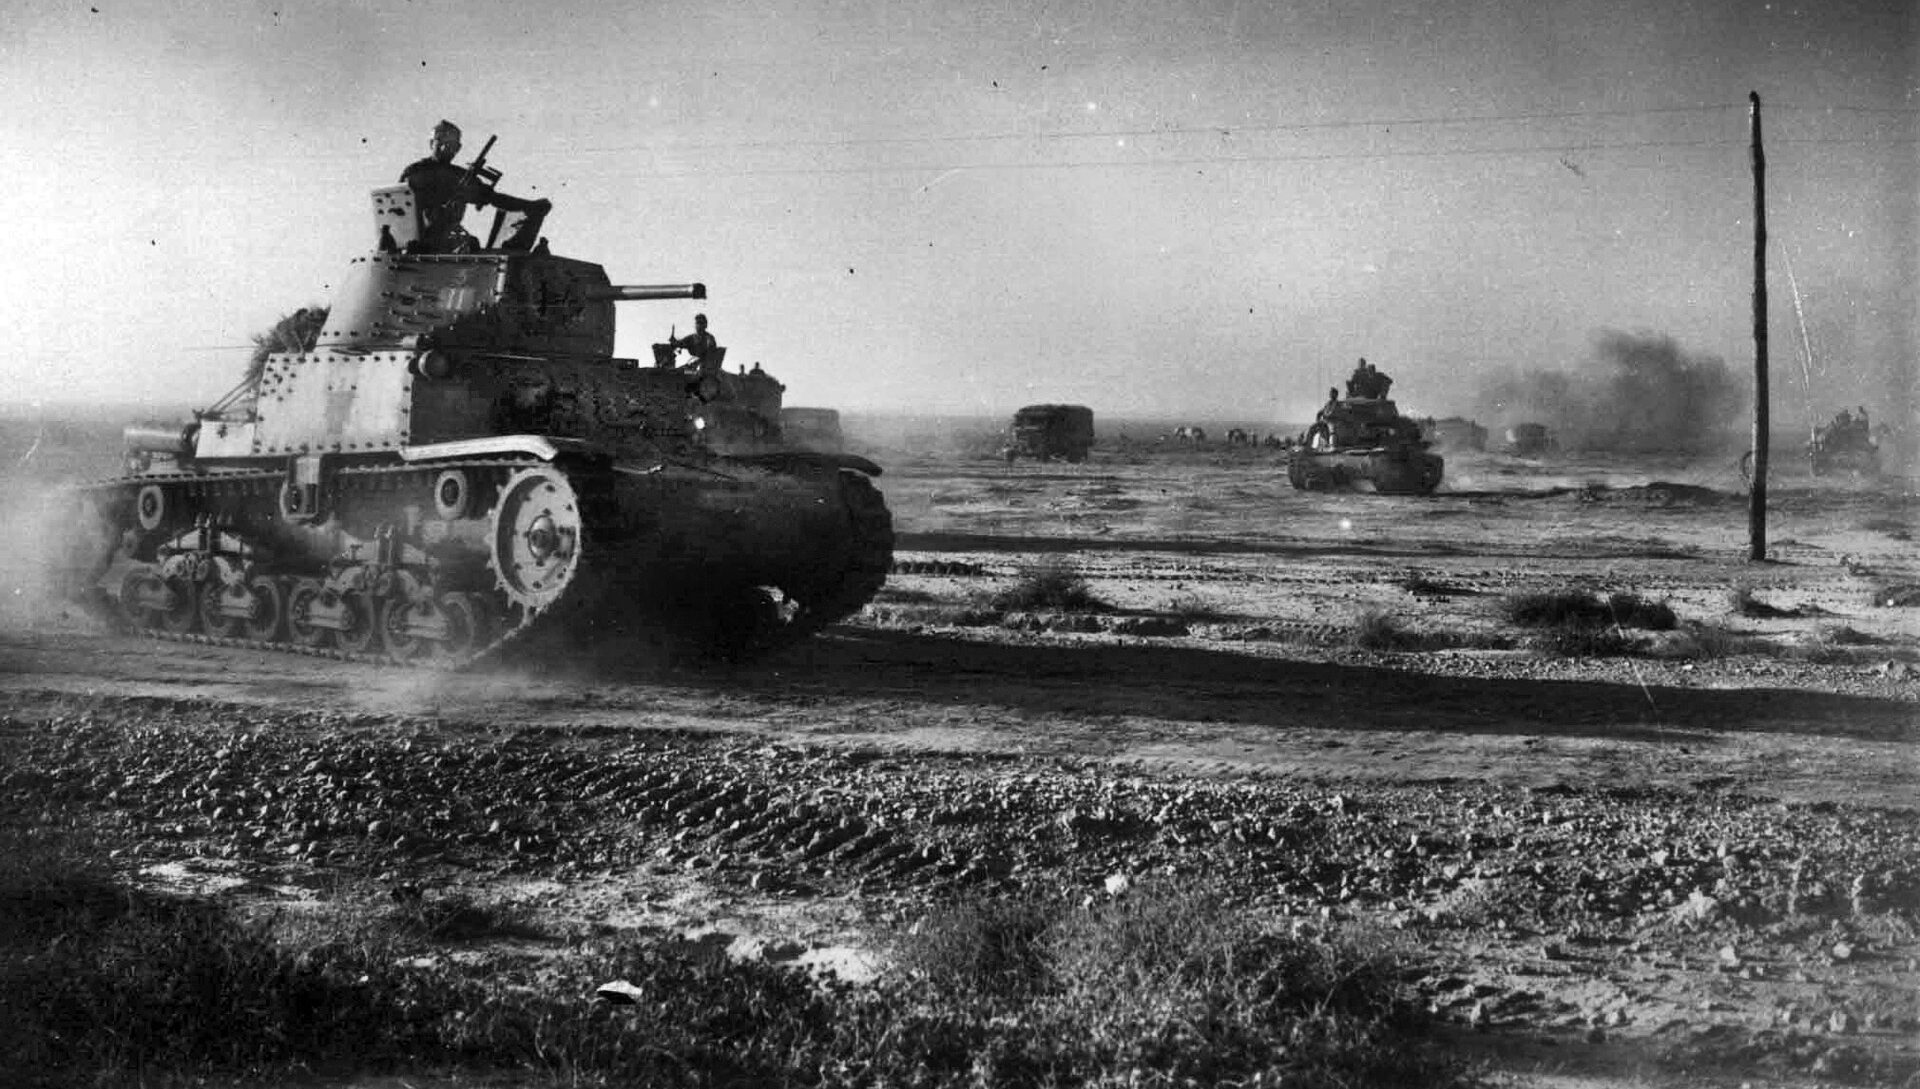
{"x": 132, "y": 594}
{"x": 396, "y": 615}
{"x": 362, "y": 625}
{"x": 150, "y": 506}
{"x": 467, "y": 626}
{"x": 536, "y": 537}
{"x": 214, "y": 619}
{"x": 306, "y": 594}
{"x": 269, "y": 609}
{"x": 452, "y": 495}
{"x": 182, "y": 613}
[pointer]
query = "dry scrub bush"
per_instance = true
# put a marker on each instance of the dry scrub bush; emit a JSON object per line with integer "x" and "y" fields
{"x": 1576, "y": 623}
{"x": 1192, "y": 606}
{"x": 1376, "y": 629}
{"x": 1055, "y": 585}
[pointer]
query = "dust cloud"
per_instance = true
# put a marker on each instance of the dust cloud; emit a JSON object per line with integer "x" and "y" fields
{"x": 39, "y": 550}
{"x": 1639, "y": 393}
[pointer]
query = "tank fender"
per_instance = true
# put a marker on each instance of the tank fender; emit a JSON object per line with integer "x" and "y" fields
{"x": 807, "y": 459}
{"x": 544, "y": 447}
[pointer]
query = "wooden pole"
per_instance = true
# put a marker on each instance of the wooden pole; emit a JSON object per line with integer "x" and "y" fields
{"x": 1757, "y": 499}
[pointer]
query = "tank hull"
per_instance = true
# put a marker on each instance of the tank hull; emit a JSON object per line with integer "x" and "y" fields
{"x": 1845, "y": 462}
{"x": 1385, "y": 472}
{"x": 452, "y": 561}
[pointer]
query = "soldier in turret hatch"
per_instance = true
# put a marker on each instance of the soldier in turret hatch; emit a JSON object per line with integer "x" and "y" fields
{"x": 700, "y": 345}
{"x": 442, "y": 191}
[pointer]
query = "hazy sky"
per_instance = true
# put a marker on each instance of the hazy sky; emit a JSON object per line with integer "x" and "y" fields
{"x": 1201, "y": 208}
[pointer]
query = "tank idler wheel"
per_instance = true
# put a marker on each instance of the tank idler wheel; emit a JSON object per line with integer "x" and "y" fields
{"x": 150, "y": 506}
{"x": 467, "y": 625}
{"x": 452, "y": 495}
{"x": 396, "y": 616}
{"x": 306, "y": 594}
{"x": 213, "y": 618}
{"x": 269, "y": 609}
{"x": 362, "y": 626}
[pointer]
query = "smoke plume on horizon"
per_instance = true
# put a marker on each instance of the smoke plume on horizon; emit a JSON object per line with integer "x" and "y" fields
{"x": 1637, "y": 393}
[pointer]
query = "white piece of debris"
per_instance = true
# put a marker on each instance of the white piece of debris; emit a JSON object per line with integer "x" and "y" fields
{"x": 1118, "y": 883}
{"x": 619, "y": 993}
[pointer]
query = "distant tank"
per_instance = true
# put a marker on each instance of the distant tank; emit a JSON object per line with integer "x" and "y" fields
{"x": 1362, "y": 443}
{"x": 1529, "y": 440}
{"x": 813, "y": 429}
{"x": 1454, "y": 433}
{"x": 1045, "y": 432}
{"x": 458, "y": 461}
{"x": 1844, "y": 446}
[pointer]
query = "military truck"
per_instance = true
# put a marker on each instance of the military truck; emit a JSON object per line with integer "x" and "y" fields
{"x": 1045, "y": 432}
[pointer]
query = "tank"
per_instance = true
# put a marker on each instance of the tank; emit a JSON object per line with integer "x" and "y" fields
{"x": 1454, "y": 433}
{"x": 458, "y": 461}
{"x": 1529, "y": 440}
{"x": 1364, "y": 444}
{"x": 1844, "y": 447}
{"x": 1045, "y": 432}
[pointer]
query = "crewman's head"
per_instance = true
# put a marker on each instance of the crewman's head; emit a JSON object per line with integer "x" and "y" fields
{"x": 446, "y": 141}
{"x": 700, "y": 322}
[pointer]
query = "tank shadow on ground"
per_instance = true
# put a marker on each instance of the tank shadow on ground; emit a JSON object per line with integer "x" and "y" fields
{"x": 1181, "y": 683}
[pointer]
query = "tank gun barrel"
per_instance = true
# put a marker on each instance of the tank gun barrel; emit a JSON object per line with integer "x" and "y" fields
{"x": 623, "y": 292}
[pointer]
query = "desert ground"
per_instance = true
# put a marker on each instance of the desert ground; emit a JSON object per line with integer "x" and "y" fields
{"x": 1665, "y": 855}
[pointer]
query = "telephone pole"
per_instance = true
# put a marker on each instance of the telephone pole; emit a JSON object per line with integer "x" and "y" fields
{"x": 1757, "y": 499}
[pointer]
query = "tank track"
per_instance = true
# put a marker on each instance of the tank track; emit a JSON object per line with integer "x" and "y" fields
{"x": 870, "y": 562}
{"x": 589, "y": 600}
{"x": 513, "y": 622}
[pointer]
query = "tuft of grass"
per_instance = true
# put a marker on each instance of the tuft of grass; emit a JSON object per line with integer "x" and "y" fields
{"x": 1055, "y": 585}
{"x": 1377, "y": 629}
{"x": 1704, "y": 642}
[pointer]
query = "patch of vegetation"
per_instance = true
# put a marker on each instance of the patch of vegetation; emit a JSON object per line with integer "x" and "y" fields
{"x": 1576, "y": 608}
{"x": 1169, "y": 986}
{"x": 1576, "y": 623}
{"x": 1377, "y": 629}
{"x": 1704, "y": 642}
{"x": 101, "y": 982}
{"x": 1194, "y": 607}
{"x": 1054, "y": 585}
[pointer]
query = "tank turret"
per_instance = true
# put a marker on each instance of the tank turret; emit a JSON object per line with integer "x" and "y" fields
{"x": 457, "y": 459}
